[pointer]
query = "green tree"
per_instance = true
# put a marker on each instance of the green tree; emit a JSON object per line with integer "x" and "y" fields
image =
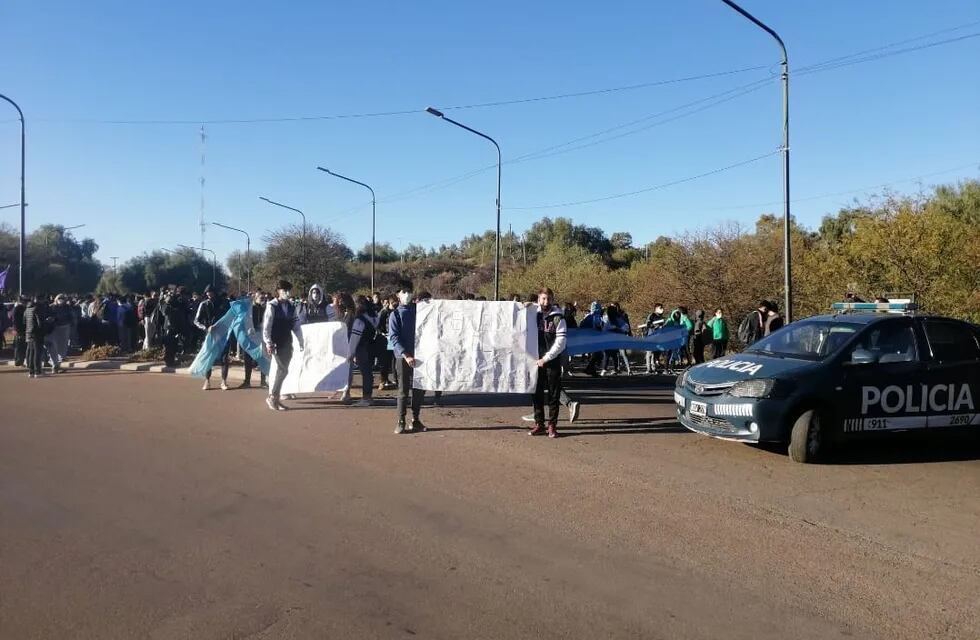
{"x": 319, "y": 256}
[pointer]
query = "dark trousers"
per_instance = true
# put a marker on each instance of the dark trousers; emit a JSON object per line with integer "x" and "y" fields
{"x": 405, "y": 375}
{"x": 697, "y": 349}
{"x": 170, "y": 344}
{"x": 35, "y": 355}
{"x": 20, "y": 350}
{"x": 362, "y": 356}
{"x": 549, "y": 380}
{"x": 223, "y": 360}
{"x": 718, "y": 348}
{"x": 250, "y": 364}
{"x": 282, "y": 356}
{"x": 385, "y": 361}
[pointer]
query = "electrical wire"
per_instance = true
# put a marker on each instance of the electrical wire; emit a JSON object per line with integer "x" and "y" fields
{"x": 657, "y": 187}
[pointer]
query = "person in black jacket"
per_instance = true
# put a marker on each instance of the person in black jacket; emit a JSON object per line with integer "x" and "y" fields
{"x": 208, "y": 313}
{"x": 20, "y": 332}
{"x": 172, "y": 316}
{"x": 35, "y": 329}
{"x": 259, "y": 300}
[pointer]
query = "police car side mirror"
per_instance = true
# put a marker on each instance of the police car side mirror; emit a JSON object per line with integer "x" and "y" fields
{"x": 862, "y": 356}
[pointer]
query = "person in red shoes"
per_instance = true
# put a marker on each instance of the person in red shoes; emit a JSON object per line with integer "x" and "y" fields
{"x": 551, "y": 344}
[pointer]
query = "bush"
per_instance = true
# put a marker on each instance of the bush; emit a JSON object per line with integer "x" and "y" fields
{"x": 100, "y": 353}
{"x": 147, "y": 355}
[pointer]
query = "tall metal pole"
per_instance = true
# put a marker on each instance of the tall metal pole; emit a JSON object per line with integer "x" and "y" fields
{"x": 23, "y": 198}
{"x": 374, "y": 215}
{"x": 496, "y": 262}
{"x": 787, "y": 259}
{"x": 248, "y": 249}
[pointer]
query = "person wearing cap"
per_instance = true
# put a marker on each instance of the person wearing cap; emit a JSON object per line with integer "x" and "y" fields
{"x": 208, "y": 313}
{"x": 280, "y": 323}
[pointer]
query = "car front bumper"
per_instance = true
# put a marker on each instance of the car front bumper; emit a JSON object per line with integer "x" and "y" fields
{"x": 729, "y": 418}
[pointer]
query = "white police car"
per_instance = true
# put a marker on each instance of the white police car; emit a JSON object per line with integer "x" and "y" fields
{"x": 828, "y": 378}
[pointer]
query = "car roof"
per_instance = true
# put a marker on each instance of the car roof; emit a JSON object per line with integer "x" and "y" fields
{"x": 870, "y": 317}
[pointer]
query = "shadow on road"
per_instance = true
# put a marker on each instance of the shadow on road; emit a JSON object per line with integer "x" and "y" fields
{"x": 898, "y": 448}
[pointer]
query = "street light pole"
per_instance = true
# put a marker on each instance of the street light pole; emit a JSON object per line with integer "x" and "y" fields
{"x": 279, "y": 204}
{"x": 23, "y": 198}
{"x": 787, "y": 259}
{"x": 248, "y": 248}
{"x": 496, "y": 262}
{"x": 374, "y": 215}
{"x": 214, "y": 259}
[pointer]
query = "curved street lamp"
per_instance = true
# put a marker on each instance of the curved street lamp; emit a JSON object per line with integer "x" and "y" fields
{"x": 496, "y": 262}
{"x": 23, "y": 198}
{"x": 787, "y": 260}
{"x": 214, "y": 259}
{"x": 248, "y": 248}
{"x": 374, "y": 215}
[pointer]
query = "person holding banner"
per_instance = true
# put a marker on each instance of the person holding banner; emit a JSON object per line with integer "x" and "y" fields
{"x": 279, "y": 325}
{"x": 552, "y": 337}
{"x": 401, "y": 334}
{"x": 207, "y": 315}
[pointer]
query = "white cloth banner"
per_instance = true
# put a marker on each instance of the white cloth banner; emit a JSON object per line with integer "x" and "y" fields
{"x": 322, "y": 365}
{"x": 483, "y": 347}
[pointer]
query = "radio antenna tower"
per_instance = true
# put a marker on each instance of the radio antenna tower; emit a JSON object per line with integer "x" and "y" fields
{"x": 204, "y": 138}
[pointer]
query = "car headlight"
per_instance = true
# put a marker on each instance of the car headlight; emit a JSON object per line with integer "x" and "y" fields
{"x": 681, "y": 379}
{"x": 752, "y": 388}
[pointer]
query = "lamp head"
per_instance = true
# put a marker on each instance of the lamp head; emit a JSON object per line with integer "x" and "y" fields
{"x": 435, "y": 112}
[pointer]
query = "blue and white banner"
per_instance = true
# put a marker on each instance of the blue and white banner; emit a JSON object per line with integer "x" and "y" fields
{"x": 590, "y": 341}
{"x": 238, "y": 322}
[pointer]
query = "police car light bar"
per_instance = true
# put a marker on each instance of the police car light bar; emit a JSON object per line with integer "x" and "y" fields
{"x": 899, "y": 307}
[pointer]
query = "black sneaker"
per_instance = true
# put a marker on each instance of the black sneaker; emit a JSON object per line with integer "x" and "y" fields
{"x": 418, "y": 426}
{"x": 400, "y": 427}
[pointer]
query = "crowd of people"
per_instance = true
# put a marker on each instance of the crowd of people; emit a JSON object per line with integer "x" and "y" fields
{"x": 380, "y": 331}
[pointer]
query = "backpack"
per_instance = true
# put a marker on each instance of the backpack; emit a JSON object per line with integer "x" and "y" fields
{"x": 747, "y": 330}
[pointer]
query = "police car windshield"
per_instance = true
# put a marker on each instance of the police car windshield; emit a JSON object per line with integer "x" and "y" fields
{"x": 806, "y": 340}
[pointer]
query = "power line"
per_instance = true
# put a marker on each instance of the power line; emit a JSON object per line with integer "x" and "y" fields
{"x": 657, "y": 187}
{"x": 401, "y": 112}
{"x": 821, "y": 196}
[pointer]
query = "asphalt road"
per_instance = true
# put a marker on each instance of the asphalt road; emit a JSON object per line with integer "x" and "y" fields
{"x": 136, "y": 506}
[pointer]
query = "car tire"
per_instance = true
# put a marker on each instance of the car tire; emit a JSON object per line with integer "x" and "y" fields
{"x": 807, "y": 441}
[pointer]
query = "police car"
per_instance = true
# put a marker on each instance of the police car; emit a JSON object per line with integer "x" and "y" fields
{"x": 868, "y": 368}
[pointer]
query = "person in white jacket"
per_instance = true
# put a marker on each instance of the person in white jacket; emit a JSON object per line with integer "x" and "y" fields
{"x": 552, "y": 337}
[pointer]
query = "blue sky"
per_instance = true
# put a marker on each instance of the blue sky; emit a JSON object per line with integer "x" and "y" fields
{"x": 136, "y": 186}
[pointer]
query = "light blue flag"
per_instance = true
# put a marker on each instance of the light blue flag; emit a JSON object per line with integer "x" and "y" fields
{"x": 590, "y": 341}
{"x": 238, "y": 322}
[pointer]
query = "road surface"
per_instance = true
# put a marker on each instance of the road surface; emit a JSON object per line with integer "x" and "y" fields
{"x": 137, "y": 506}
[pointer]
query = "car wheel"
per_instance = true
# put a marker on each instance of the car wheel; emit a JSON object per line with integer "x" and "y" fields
{"x": 808, "y": 439}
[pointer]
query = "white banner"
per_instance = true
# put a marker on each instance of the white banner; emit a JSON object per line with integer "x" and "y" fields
{"x": 323, "y": 363}
{"x": 483, "y": 347}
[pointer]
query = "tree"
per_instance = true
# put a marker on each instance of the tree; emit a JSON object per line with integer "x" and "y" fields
{"x": 239, "y": 267}
{"x": 55, "y": 260}
{"x": 319, "y": 256}
{"x": 184, "y": 268}
{"x": 621, "y": 240}
{"x": 383, "y": 253}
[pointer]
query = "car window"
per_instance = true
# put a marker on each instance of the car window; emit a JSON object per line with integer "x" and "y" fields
{"x": 952, "y": 341}
{"x": 808, "y": 340}
{"x": 889, "y": 342}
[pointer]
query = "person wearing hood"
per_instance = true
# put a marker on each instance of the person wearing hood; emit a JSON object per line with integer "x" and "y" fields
{"x": 208, "y": 313}
{"x": 317, "y": 308}
{"x": 552, "y": 338}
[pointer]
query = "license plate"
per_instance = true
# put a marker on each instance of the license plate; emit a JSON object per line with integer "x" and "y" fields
{"x": 699, "y": 409}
